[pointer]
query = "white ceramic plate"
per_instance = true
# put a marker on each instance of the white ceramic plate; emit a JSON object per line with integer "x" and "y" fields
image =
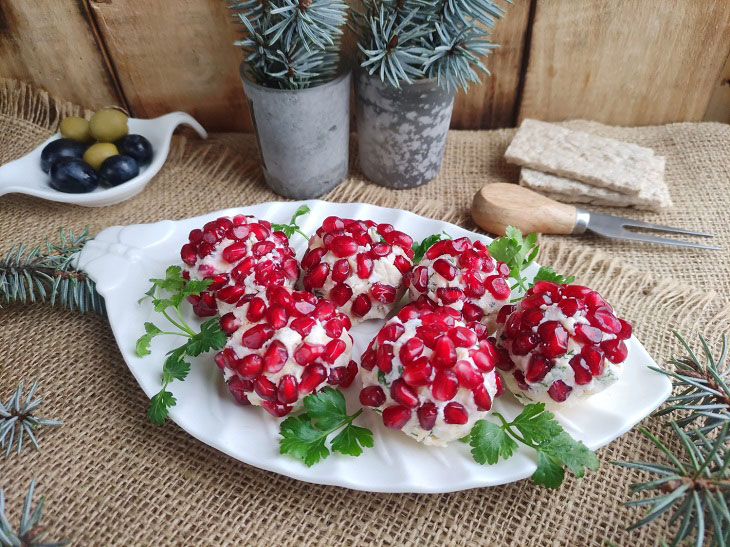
{"x": 122, "y": 259}
{"x": 25, "y": 176}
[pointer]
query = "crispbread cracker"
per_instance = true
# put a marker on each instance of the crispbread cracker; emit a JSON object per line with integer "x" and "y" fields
{"x": 651, "y": 198}
{"x": 599, "y": 161}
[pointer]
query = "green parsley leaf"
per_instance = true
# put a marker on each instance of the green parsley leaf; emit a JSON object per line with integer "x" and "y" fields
{"x": 210, "y": 337}
{"x": 352, "y": 439}
{"x": 302, "y": 440}
{"x": 546, "y": 273}
{"x": 489, "y": 442}
{"x": 159, "y": 407}
{"x": 292, "y": 227}
{"x": 175, "y": 368}
{"x": 515, "y": 251}
{"x": 571, "y": 453}
{"x": 419, "y": 249}
{"x": 143, "y": 344}
{"x": 328, "y": 408}
{"x": 549, "y": 472}
{"x": 173, "y": 281}
{"x": 535, "y": 425}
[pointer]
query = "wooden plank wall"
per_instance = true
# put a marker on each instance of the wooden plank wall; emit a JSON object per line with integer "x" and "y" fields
{"x": 625, "y": 62}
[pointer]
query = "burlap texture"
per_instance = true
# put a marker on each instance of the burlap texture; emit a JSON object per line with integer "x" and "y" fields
{"x": 111, "y": 478}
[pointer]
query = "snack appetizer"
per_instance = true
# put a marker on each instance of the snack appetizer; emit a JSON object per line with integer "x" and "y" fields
{"x": 242, "y": 256}
{"x": 284, "y": 345}
{"x": 463, "y": 275}
{"x": 430, "y": 373}
{"x": 562, "y": 343}
{"x": 357, "y": 264}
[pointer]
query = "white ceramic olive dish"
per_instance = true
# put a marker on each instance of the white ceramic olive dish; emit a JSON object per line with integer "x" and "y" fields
{"x": 25, "y": 176}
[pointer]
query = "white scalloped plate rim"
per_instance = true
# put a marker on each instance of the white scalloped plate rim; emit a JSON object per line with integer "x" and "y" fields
{"x": 121, "y": 259}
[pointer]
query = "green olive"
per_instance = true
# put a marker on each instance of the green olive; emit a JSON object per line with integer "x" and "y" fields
{"x": 97, "y": 153}
{"x": 108, "y": 125}
{"x": 76, "y": 129}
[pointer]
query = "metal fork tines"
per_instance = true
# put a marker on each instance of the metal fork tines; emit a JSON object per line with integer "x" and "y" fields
{"x": 611, "y": 226}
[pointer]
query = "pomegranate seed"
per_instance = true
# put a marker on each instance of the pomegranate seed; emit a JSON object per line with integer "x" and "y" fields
{"x": 524, "y": 343}
{"x": 587, "y": 334}
{"x": 559, "y": 391}
{"x": 364, "y": 265}
{"x": 260, "y": 230}
{"x": 444, "y": 386}
{"x": 206, "y": 271}
{"x": 441, "y": 248}
{"x": 498, "y": 287}
{"x": 368, "y": 359}
{"x": 455, "y": 413}
{"x": 264, "y": 270}
{"x": 265, "y": 388}
{"x": 333, "y": 350}
{"x": 349, "y": 374}
{"x": 219, "y": 281}
{"x": 262, "y": 248}
{"x": 532, "y": 318}
{"x": 230, "y": 294}
{"x": 537, "y": 368}
{"x": 429, "y": 334}
{"x": 279, "y": 296}
{"x": 615, "y": 350}
{"x": 221, "y": 360}
{"x": 287, "y": 392}
{"x": 206, "y": 305}
{"x": 391, "y": 332}
{"x": 402, "y": 393}
{"x": 403, "y": 264}
{"x": 276, "y": 409}
{"x": 312, "y": 376}
{"x": 408, "y": 312}
{"x": 594, "y": 358}
{"x": 473, "y": 284}
{"x": 479, "y": 329}
{"x": 243, "y": 269}
{"x": 277, "y": 317}
{"x": 396, "y": 416}
{"x": 500, "y": 384}
{"x": 361, "y": 305}
{"x": 229, "y": 323}
{"x": 291, "y": 268}
{"x": 504, "y": 312}
{"x": 234, "y": 252}
{"x": 574, "y": 291}
{"x": 394, "y": 237}
{"x": 333, "y": 328}
{"x": 418, "y": 373}
{"x": 570, "y": 306}
{"x": 204, "y": 249}
{"x": 580, "y": 370}
{"x": 554, "y": 339}
{"x": 324, "y": 310}
{"x": 257, "y": 336}
{"x": 482, "y": 398}
{"x": 333, "y": 223}
{"x": 383, "y": 293}
{"x": 419, "y": 279}
{"x": 449, "y": 295}
{"x": 427, "y": 414}
{"x": 372, "y": 396}
{"x": 384, "y": 358}
{"x": 381, "y": 249}
{"x": 468, "y": 376}
{"x": 520, "y": 379}
{"x": 444, "y": 269}
{"x": 303, "y": 325}
{"x": 238, "y": 389}
{"x": 343, "y": 246}
{"x": 513, "y": 325}
{"x": 317, "y": 276}
{"x": 275, "y": 357}
{"x": 502, "y": 269}
{"x": 462, "y": 337}
{"x": 534, "y": 302}
{"x": 594, "y": 300}
{"x": 626, "y": 330}
{"x": 340, "y": 294}
{"x": 383, "y": 229}
{"x": 470, "y": 260}
{"x": 195, "y": 236}
{"x": 410, "y": 351}
{"x": 187, "y": 253}
{"x": 313, "y": 257}
{"x": 547, "y": 287}
{"x": 603, "y": 318}
{"x": 340, "y": 270}
{"x": 307, "y": 353}
{"x": 239, "y": 232}
{"x": 482, "y": 360}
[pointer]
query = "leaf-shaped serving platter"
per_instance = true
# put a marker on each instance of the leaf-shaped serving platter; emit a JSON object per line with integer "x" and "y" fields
{"x": 25, "y": 176}
{"x": 123, "y": 258}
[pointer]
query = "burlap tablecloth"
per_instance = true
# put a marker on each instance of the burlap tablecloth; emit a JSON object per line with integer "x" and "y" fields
{"x": 112, "y": 478}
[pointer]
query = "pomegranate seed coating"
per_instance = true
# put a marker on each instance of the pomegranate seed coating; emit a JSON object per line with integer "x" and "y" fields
{"x": 286, "y": 344}
{"x": 430, "y": 373}
{"x": 359, "y": 265}
{"x": 241, "y": 256}
{"x": 462, "y": 274}
{"x": 560, "y": 343}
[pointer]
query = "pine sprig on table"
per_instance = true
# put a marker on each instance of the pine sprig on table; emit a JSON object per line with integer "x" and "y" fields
{"x": 17, "y": 420}
{"x": 30, "y": 532}
{"x": 47, "y": 274}
{"x": 704, "y": 391}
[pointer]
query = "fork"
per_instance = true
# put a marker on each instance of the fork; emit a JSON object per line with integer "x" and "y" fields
{"x": 499, "y": 205}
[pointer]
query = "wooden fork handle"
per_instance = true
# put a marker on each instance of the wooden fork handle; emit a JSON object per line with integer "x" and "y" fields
{"x": 499, "y": 205}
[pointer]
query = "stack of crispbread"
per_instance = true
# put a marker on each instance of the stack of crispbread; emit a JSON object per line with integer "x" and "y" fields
{"x": 577, "y": 167}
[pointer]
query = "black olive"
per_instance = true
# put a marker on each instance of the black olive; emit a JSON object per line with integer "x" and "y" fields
{"x": 118, "y": 169}
{"x": 73, "y": 176}
{"x": 61, "y": 148}
{"x": 136, "y": 146}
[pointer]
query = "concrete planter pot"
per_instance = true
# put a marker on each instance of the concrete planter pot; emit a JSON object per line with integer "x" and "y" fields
{"x": 401, "y": 132}
{"x": 302, "y": 135}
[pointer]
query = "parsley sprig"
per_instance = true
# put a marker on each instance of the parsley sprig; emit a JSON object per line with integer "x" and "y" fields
{"x": 292, "y": 227}
{"x": 167, "y": 295}
{"x": 304, "y": 436}
{"x": 546, "y": 273}
{"x": 539, "y": 430}
{"x": 419, "y": 249}
{"x": 515, "y": 251}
